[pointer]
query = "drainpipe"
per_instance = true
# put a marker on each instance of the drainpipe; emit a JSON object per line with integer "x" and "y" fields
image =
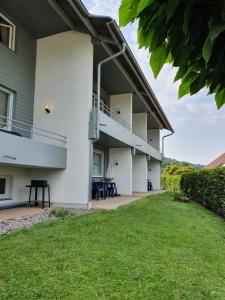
{"x": 163, "y": 146}
{"x": 112, "y": 57}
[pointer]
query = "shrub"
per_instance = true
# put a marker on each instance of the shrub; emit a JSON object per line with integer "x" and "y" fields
{"x": 171, "y": 183}
{"x": 206, "y": 187}
{"x": 60, "y": 213}
{"x": 180, "y": 197}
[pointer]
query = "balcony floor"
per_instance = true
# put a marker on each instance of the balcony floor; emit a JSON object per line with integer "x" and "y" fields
{"x": 114, "y": 203}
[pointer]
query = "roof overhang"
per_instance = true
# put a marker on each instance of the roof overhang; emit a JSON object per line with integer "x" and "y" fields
{"x": 106, "y": 30}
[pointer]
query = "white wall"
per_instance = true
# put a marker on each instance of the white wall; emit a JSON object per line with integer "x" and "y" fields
{"x": 140, "y": 173}
{"x": 154, "y": 173}
{"x": 19, "y": 178}
{"x": 122, "y": 103}
{"x": 154, "y": 135}
{"x": 140, "y": 124}
{"x": 64, "y": 81}
{"x": 120, "y": 168}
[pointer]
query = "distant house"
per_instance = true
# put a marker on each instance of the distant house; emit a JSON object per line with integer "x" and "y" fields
{"x": 218, "y": 162}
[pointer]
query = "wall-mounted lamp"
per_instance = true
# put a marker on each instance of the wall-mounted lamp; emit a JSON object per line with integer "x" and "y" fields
{"x": 47, "y": 108}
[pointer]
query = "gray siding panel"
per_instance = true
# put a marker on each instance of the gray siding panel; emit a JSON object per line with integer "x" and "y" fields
{"x": 17, "y": 72}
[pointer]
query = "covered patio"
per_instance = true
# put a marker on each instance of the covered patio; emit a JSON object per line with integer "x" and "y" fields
{"x": 116, "y": 202}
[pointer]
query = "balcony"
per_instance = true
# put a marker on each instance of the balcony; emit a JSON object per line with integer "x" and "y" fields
{"x": 111, "y": 124}
{"x": 28, "y": 146}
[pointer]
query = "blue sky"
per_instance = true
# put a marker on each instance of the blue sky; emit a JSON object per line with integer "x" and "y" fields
{"x": 199, "y": 127}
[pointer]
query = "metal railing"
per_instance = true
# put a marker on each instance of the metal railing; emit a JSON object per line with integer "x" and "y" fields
{"x": 112, "y": 114}
{"x": 28, "y": 130}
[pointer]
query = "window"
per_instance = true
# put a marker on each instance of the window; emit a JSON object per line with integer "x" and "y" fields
{"x": 98, "y": 163}
{"x": 6, "y": 105}
{"x": 4, "y": 187}
{"x": 7, "y": 32}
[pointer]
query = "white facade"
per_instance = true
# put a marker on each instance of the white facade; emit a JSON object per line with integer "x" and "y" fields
{"x": 120, "y": 164}
{"x": 63, "y": 104}
{"x": 154, "y": 173}
{"x": 64, "y": 78}
{"x": 140, "y": 173}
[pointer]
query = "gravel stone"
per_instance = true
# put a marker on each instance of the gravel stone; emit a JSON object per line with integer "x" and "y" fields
{"x": 9, "y": 225}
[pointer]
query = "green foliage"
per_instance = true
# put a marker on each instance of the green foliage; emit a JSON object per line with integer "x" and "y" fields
{"x": 173, "y": 169}
{"x": 180, "y": 197}
{"x": 206, "y": 187}
{"x": 171, "y": 177}
{"x": 187, "y": 34}
{"x": 171, "y": 183}
{"x": 168, "y": 161}
{"x": 60, "y": 213}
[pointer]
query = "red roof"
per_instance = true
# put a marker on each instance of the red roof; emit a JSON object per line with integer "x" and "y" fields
{"x": 218, "y": 162}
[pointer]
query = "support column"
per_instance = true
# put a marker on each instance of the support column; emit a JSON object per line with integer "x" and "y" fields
{"x": 122, "y": 105}
{"x": 154, "y": 173}
{"x": 140, "y": 125}
{"x": 120, "y": 169}
{"x": 140, "y": 173}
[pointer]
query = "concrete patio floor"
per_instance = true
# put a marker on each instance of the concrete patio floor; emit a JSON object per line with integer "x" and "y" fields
{"x": 114, "y": 203}
{"x": 18, "y": 212}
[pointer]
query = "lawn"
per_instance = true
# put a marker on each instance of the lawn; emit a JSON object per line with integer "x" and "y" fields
{"x": 152, "y": 249}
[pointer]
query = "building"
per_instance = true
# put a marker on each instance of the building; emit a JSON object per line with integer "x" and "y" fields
{"x": 218, "y": 162}
{"x": 53, "y": 125}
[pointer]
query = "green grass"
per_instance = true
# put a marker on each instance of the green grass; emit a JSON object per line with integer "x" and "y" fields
{"x": 153, "y": 249}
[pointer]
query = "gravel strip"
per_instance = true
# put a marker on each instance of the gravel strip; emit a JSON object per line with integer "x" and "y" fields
{"x": 28, "y": 221}
{"x": 23, "y": 222}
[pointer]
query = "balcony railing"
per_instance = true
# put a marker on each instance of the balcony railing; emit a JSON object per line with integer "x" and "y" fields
{"x": 28, "y": 130}
{"x": 112, "y": 114}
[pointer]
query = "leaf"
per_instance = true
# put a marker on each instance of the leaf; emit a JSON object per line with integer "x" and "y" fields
{"x": 158, "y": 59}
{"x": 216, "y": 30}
{"x": 197, "y": 85}
{"x": 220, "y": 99}
{"x": 180, "y": 73}
{"x": 184, "y": 89}
{"x": 127, "y": 11}
{"x": 207, "y": 49}
{"x": 143, "y": 4}
{"x": 187, "y": 18}
{"x": 171, "y": 7}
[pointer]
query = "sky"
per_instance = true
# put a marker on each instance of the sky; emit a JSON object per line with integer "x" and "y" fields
{"x": 199, "y": 127}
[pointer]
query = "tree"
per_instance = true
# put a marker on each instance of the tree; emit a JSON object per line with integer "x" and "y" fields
{"x": 188, "y": 34}
{"x": 174, "y": 169}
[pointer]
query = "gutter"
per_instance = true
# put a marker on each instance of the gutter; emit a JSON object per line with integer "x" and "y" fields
{"x": 163, "y": 146}
{"x": 112, "y": 57}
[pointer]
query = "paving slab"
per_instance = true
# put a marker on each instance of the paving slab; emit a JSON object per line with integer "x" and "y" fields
{"x": 114, "y": 203}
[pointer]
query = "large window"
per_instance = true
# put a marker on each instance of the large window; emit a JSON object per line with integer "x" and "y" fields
{"x": 6, "y": 106}
{"x": 98, "y": 163}
{"x": 7, "y": 32}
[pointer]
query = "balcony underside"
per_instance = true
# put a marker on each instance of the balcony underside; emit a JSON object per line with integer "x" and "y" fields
{"x": 24, "y": 152}
{"x": 119, "y": 136}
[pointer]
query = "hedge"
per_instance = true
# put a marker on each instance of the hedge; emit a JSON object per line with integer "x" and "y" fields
{"x": 171, "y": 183}
{"x": 206, "y": 187}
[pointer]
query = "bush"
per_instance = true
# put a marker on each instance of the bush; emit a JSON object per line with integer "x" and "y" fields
{"x": 171, "y": 183}
{"x": 206, "y": 187}
{"x": 60, "y": 213}
{"x": 180, "y": 197}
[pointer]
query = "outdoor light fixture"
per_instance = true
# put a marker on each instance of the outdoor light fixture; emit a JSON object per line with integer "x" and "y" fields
{"x": 47, "y": 108}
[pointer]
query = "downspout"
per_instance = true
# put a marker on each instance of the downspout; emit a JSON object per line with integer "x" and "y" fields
{"x": 99, "y": 86}
{"x": 163, "y": 146}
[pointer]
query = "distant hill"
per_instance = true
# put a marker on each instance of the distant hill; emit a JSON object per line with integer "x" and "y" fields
{"x": 168, "y": 160}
